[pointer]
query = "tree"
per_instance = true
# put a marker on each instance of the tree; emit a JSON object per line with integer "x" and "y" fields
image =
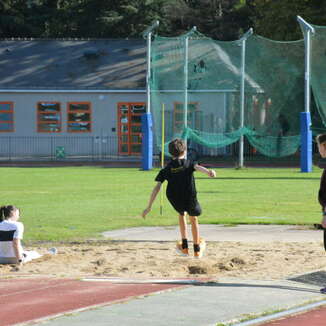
{"x": 119, "y": 18}
{"x": 219, "y": 19}
{"x": 12, "y": 18}
{"x": 277, "y": 19}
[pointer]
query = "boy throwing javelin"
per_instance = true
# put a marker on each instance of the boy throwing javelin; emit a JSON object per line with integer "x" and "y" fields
{"x": 181, "y": 193}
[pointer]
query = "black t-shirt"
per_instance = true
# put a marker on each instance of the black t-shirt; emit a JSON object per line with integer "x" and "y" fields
{"x": 180, "y": 176}
{"x": 322, "y": 190}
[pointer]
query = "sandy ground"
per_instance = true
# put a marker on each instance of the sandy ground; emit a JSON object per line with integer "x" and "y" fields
{"x": 125, "y": 259}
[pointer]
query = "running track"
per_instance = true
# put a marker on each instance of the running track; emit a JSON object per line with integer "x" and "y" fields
{"x": 316, "y": 317}
{"x": 25, "y": 300}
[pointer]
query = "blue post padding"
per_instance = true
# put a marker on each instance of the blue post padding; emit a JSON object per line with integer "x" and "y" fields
{"x": 306, "y": 142}
{"x": 147, "y": 141}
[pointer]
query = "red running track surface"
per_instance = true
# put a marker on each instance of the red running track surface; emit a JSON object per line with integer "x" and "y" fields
{"x": 23, "y": 300}
{"x": 316, "y": 317}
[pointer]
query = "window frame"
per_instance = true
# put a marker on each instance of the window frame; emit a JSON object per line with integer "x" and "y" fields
{"x": 11, "y": 110}
{"x": 130, "y": 124}
{"x": 177, "y": 111}
{"x": 80, "y": 111}
{"x": 39, "y": 121}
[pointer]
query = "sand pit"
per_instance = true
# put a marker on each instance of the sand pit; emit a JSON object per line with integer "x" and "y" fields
{"x": 264, "y": 261}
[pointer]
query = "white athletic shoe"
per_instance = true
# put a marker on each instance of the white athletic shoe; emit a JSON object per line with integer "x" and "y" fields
{"x": 53, "y": 251}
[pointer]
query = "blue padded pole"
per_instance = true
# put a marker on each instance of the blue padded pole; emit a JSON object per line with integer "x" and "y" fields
{"x": 305, "y": 119}
{"x": 306, "y": 142}
{"x": 147, "y": 141}
{"x": 147, "y": 132}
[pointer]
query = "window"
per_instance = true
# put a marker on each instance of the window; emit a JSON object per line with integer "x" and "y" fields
{"x": 79, "y": 117}
{"x": 194, "y": 116}
{"x": 6, "y": 117}
{"x": 129, "y": 127}
{"x": 48, "y": 117}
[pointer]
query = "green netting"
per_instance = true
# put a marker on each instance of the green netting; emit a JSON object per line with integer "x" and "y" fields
{"x": 197, "y": 82}
{"x": 318, "y": 75}
{"x": 213, "y": 140}
{"x": 273, "y": 112}
{"x": 275, "y": 146}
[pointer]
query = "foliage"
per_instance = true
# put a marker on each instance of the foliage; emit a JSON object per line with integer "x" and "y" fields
{"x": 277, "y": 19}
{"x": 219, "y": 19}
{"x": 78, "y": 18}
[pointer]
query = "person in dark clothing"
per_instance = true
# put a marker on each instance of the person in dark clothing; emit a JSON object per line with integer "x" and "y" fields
{"x": 321, "y": 142}
{"x": 181, "y": 193}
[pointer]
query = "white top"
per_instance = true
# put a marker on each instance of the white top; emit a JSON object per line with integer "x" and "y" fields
{"x": 9, "y": 230}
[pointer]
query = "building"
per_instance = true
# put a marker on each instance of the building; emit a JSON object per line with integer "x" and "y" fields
{"x": 73, "y": 99}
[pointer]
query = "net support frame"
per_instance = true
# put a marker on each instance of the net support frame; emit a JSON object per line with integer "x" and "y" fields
{"x": 148, "y": 35}
{"x": 147, "y": 130}
{"x": 185, "y": 87}
{"x": 242, "y": 93}
{"x": 305, "y": 119}
{"x": 147, "y": 141}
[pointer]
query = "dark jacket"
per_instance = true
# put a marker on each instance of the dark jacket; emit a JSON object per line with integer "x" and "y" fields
{"x": 322, "y": 190}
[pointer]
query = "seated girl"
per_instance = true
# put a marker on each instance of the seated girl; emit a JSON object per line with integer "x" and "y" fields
{"x": 11, "y": 233}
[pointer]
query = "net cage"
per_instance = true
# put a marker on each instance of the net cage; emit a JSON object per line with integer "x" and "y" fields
{"x": 318, "y": 78}
{"x": 213, "y": 92}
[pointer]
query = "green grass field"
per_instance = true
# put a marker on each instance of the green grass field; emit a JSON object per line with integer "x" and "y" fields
{"x": 71, "y": 203}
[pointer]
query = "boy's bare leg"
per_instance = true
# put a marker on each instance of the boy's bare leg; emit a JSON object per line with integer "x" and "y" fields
{"x": 182, "y": 246}
{"x": 183, "y": 226}
{"x": 194, "y": 229}
{"x": 199, "y": 244}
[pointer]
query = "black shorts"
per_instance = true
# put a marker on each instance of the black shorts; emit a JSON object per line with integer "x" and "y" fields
{"x": 192, "y": 207}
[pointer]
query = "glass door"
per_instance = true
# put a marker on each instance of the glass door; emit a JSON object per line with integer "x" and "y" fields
{"x": 129, "y": 127}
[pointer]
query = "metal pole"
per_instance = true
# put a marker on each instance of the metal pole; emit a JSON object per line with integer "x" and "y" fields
{"x": 185, "y": 89}
{"x": 148, "y": 35}
{"x": 242, "y": 93}
{"x": 186, "y": 59}
{"x": 307, "y": 30}
{"x": 307, "y": 72}
{"x": 241, "y": 141}
{"x": 186, "y": 83}
{"x": 148, "y": 74}
{"x": 305, "y": 118}
{"x": 147, "y": 132}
